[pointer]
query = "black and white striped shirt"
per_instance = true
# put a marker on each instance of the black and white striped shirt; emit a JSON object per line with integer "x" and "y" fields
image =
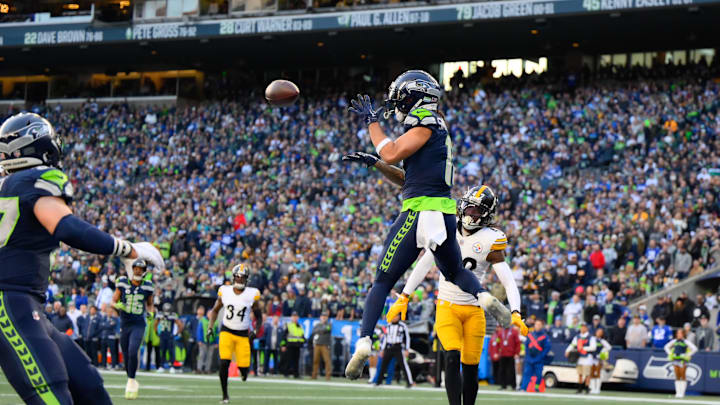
{"x": 397, "y": 333}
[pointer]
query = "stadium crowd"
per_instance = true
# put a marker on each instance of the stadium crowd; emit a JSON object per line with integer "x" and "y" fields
{"x": 608, "y": 192}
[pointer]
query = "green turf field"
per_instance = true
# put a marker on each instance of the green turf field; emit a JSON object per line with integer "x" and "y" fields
{"x": 190, "y": 389}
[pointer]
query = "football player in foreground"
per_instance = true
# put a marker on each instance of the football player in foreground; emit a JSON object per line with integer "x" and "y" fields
{"x": 237, "y": 301}
{"x": 133, "y": 299}
{"x": 427, "y": 218}
{"x": 43, "y": 365}
{"x": 459, "y": 322}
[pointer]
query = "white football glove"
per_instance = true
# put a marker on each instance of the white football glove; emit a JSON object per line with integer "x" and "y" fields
{"x": 149, "y": 253}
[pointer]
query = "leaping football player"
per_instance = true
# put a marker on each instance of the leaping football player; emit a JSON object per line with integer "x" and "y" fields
{"x": 459, "y": 322}
{"x": 427, "y": 218}
{"x": 237, "y": 301}
{"x": 43, "y": 365}
{"x": 133, "y": 299}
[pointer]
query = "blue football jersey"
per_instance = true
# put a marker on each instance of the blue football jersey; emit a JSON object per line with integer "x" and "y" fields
{"x": 166, "y": 323}
{"x": 134, "y": 297}
{"x": 25, "y": 245}
{"x": 429, "y": 171}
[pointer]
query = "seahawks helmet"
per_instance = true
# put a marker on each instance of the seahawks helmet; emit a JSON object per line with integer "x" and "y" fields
{"x": 167, "y": 307}
{"x": 476, "y": 208}
{"x": 411, "y": 90}
{"x": 141, "y": 264}
{"x": 28, "y": 140}
{"x": 240, "y": 274}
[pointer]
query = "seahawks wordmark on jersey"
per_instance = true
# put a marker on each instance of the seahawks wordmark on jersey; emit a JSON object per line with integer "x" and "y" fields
{"x": 237, "y": 307}
{"x": 474, "y": 249}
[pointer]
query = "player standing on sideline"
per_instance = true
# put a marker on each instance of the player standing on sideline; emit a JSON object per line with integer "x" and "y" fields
{"x": 133, "y": 298}
{"x": 165, "y": 324}
{"x": 679, "y": 351}
{"x": 459, "y": 322}
{"x": 237, "y": 301}
{"x": 427, "y": 218}
{"x": 43, "y": 365}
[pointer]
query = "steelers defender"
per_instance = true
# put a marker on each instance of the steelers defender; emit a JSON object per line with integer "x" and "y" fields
{"x": 459, "y": 322}
{"x": 427, "y": 217}
{"x": 43, "y": 365}
{"x": 237, "y": 301}
{"x": 133, "y": 299}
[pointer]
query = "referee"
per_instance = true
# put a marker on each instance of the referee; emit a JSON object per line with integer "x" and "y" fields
{"x": 396, "y": 343}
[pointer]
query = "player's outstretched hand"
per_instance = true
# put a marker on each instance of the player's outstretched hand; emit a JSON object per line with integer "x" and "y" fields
{"x": 517, "y": 321}
{"x": 366, "y": 158}
{"x": 149, "y": 253}
{"x": 364, "y": 107}
{"x": 399, "y": 307}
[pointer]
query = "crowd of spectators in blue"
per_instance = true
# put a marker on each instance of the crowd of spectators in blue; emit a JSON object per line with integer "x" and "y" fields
{"x": 608, "y": 187}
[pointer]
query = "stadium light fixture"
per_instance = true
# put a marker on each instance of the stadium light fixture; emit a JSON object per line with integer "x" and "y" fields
{"x": 72, "y": 6}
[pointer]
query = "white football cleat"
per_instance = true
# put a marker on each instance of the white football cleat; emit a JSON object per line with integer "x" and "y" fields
{"x": 131, "y": 389}
{"x": 495, "y": 308}
{"x": 356, "y": 364}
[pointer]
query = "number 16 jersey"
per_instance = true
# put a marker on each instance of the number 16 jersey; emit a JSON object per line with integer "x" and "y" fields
{"x": 237, "y": 307}
{"x": 134, "y": 297}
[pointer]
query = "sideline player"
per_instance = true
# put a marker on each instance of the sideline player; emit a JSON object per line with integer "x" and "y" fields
{"x": 459, "y": 322}
{"x": 427, "y": 218}
{"x": 167, "y": 325}
{"x": 133, "y": 299}
{"x": 43, "y": 365}
{"x": 237, "y": 301}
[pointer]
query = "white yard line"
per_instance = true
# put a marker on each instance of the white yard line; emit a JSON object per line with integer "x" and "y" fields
{"x": 654, "y": 399}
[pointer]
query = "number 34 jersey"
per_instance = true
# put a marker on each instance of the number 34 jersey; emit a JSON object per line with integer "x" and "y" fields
{"x": 134, "y": 297}
{"x": 237, "y": 307}
{"x": 25, "y": 245}
{"x": 474, "y": 249}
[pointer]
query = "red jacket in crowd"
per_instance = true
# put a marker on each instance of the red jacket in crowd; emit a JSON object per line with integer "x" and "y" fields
{"x": 504, "y": 343}
{"x": 597, "y": 259}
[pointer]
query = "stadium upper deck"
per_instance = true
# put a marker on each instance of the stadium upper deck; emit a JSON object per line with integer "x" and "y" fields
{"x": 172, "y": 34}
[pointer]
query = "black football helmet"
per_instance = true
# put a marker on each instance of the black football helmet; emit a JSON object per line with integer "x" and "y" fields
{"x": 411, "y": 90}
{"x": 140, "y": 264}
{"x": 28, "y": 140}
{"x": 476, "y": 208}
{"x": 240, "y": 274}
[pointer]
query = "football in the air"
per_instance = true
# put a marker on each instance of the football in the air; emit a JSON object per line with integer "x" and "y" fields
{"x": 282, "y": 93}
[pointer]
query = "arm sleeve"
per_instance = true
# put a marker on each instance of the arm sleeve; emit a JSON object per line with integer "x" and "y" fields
{"x": 692, "y": 347}
{"x": 407, "y": 337}
{"x": 667, "y": 347}
{"x": 418, "y": 274}
{"x": 382, "y": 343}
{"x": 81, "y": 235}
{"x": 502, "y": 270}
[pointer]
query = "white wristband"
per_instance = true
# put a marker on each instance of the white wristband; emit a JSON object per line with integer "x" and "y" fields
{"x": 382, "y": 145}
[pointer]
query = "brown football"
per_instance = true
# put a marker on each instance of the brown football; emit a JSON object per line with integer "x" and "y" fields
{"x": 282, "y": 93}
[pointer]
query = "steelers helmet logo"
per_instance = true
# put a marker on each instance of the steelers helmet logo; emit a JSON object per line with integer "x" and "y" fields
{"x": 477, "y": 247}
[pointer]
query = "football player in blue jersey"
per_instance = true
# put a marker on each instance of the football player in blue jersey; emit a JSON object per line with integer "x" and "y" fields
{"x": 427, "y": 218}
{"x": 133, "y": 298}
{"x": 43, "y": 365}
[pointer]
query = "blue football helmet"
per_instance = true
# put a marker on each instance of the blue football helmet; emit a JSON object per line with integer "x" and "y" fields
{"x": 28, "y": 140}
{"x": 411, "y": 90}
